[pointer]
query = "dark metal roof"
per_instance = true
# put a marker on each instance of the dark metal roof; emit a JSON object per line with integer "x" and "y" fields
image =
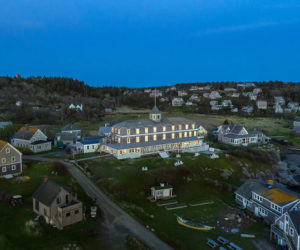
{"x": 91, "y": 141}
{"x": 150, "y": 143}
{"x": 39, "y": 142}
{"x": 48, "y": 191}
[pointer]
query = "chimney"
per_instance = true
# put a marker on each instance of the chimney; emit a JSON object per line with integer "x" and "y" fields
{"x": 162, "y": 184}
{"x": 46, "y": 178}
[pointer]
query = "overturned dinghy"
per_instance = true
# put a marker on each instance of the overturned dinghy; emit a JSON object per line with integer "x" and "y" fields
{"x": 193, "y": 225}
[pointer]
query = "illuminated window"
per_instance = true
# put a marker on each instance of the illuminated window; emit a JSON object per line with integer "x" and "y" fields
{"x": 3, "y": 160}
{"x": 128, "y": 131}
{"x": 180, "y": 127}
{"x": 137, "y": 139}
{"x": 146, "y": 130}
{"x": 186, "y": 126}
{"x": 190, "y": 133}
{"x": 173, "y": 135}
{"x": 137, "y": 131}
{"x": 154, "y": 137}
{"x": 137, "y": 150}
{"x": 185, "y": 134}
{"x": 107, "y": 148}
{"x": 164, "y": 128}
{"x": 119, "y": 131}
{"x": 195, "y": 133}
{"x": 196, "y": 142}
{"x": 128, "y": 139}
{"x": 164, "y": 136}
{"x": 146, "y": 138}
{"x": 119, "y": 140}
{"x": 154, "y": 129}
{"x": 180, "y": 135}
{"x": 173, "y": 128}
{"x": 187, "y": 143}
{"x": 193, "y": 125}
{"x": 123, "y": 151}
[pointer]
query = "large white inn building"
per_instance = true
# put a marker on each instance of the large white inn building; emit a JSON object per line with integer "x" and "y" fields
{"x": 135, "y": 138}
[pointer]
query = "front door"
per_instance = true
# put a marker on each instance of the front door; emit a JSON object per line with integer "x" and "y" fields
{"x": 256, "y": 211}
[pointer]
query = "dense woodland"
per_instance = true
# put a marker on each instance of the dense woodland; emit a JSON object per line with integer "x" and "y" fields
{"x": 47, "y": 99}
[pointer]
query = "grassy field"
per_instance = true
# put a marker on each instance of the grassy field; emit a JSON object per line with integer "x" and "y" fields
{"x": 199, "y": 179}
{"x": 12, "y": 219}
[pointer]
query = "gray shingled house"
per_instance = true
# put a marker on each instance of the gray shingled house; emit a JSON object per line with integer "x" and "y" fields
{"x": 68, "y": 135}
{"x": 286, "y": 230}
{"x": 56, "y": 204}
{"x": 266, "y": 201}
{"x": 10, "y": 160}
{"x": 238, "y": 135}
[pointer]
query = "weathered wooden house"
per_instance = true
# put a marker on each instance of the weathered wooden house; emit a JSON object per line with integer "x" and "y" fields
{"x": 56, "y": 204}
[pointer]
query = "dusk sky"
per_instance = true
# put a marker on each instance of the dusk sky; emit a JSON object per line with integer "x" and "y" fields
{"x": 139, "y": 43}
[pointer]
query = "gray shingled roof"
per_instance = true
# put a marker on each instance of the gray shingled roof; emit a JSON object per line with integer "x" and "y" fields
{"x": 295, "y": 217}
{"x": 148, "y": 123}
{"x": 155, "y": 110}
{"x": 48, "y": 191}
{"x": 24, "y": 134}
{"x": 234, "y": 129}
{"x": 69, "y": 127}
{"x": 246, "y": 189}
{"x": 67, "y": 136}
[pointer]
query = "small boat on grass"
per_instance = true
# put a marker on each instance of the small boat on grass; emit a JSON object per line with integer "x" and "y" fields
{"x": 193, "y": 225}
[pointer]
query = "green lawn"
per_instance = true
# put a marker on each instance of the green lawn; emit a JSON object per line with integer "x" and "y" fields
{"x": 198, "y": 180}
{"x": 13, "y": 219}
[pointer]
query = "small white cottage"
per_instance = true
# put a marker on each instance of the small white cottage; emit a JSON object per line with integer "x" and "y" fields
{"x": 163, "y": 191}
